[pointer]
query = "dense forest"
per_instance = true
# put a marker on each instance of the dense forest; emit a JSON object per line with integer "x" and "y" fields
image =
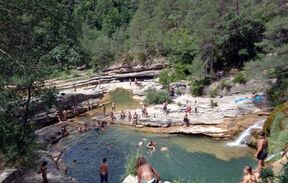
{"x": 199, "y": 38}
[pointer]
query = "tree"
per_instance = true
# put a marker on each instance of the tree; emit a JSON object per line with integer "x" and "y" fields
{"x": 36, "y": 38}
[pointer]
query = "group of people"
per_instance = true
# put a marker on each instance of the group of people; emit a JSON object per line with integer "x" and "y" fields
{"x": 145, "y": 171}
{"x": 124, "y": 114}
{"x": 97, "y": 126}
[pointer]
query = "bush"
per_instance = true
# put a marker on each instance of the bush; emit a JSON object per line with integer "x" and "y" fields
{"x": 130, "y": 167}
{"x": 213, "y": 93}
{"x": 157, "y": 97}
{"x": 197, "y": 86}
{"x": 279, "y": 132}
{"x": 267, "y": 175}
{"x": 278, "y": 94}
{"x": 240, "y": 78}
{"x": 164, "y": 77}
{"x": 269, "y": 121}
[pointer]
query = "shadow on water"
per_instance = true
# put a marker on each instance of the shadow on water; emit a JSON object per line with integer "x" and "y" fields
{"x": 189, "y": 158}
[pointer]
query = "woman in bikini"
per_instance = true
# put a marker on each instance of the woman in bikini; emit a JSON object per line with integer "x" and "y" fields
{"x": 145, "y": 172}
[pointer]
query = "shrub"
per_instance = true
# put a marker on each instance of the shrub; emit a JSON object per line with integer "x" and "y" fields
{"x": 279, "y": 132}
{"x": 197, "y": 86}
{"x": 269, "y": 121}
{"x": 278, "y": 94}
{"x": 157, "y": 97}
{"x": 164, "y": 77}
{"x": 213, "y": 93}
{"x": 283, "y": 178}
{"x": 240, "y": 78}
{"x": 130, "y": 167}
{"x": 267, "y": 175}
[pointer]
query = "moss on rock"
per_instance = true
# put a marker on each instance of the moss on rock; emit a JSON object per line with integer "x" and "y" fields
{"x": 269, "y": 121}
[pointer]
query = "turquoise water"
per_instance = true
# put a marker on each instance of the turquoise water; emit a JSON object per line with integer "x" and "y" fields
{"x": 189, "y": 157}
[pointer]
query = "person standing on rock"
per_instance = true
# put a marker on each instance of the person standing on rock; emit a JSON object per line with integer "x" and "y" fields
{"x": 186, "y": 119}
{"x": 145, "y": 172}
{"x": 262, "y": 150}
{"x": 103, "y": 171}
{"x": 43, "y": 171}
{"x": 104, "y": 110}
{"x": 113, "y": 107}
{"x": 135, "y": 119}
{"x": 165, "y": 107}
{"x": 129, "y": 116}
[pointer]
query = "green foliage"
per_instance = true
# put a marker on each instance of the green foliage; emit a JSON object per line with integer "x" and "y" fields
{"x": 284, "y": 174}
{"x": 130, "y": 166}
{"x": 157, "y": 97}
{"x": 213, "y": 93}
{"x": 279, "y": 132}
{"x": 267, "y": 175}
{"x": 165, "y": 77}
{"x": 278, "y": 92}
{"x": 240, "y": 33}
{"x": 197, "y": 86}
{"x": 240, "y": 78}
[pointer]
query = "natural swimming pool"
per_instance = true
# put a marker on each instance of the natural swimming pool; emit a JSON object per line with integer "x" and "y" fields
{"x": 189, "y": 158}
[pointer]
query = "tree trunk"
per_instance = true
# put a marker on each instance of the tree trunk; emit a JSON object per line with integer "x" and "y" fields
{"x": 237, "y": 8}
{"x": 26, "y": 115}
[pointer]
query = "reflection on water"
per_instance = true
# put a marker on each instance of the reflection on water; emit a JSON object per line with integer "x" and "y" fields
{"x": 189, "y": 157}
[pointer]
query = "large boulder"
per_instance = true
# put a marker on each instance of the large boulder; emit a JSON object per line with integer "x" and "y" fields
{"x": 11, "y": 176}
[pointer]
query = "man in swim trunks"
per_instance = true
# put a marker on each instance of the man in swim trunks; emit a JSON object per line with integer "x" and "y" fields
{"x": 186, "y": 119}
{"x": 145, "y": 172}
{"x": 262, "y": 150}
{"x": 103, "y": 171}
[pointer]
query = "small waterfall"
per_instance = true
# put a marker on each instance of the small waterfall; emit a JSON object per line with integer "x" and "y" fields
{"x": 240, "y": 141}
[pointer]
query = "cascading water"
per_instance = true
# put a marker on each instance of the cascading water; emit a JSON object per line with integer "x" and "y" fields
{"x": 240, "y": 141}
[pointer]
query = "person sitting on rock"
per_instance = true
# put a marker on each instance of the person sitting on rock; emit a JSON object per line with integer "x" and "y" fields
{"x": 43, "y": 171}
{"x": 64, "y": 131}
{"x": 123, "y": 115}
{"x": 186, "y": 119}
{"x": 112, "y": 117}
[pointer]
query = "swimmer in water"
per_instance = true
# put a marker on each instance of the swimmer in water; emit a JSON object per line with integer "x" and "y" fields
{"x": 164, "y": 149}
{"x": 140, "y": 143}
